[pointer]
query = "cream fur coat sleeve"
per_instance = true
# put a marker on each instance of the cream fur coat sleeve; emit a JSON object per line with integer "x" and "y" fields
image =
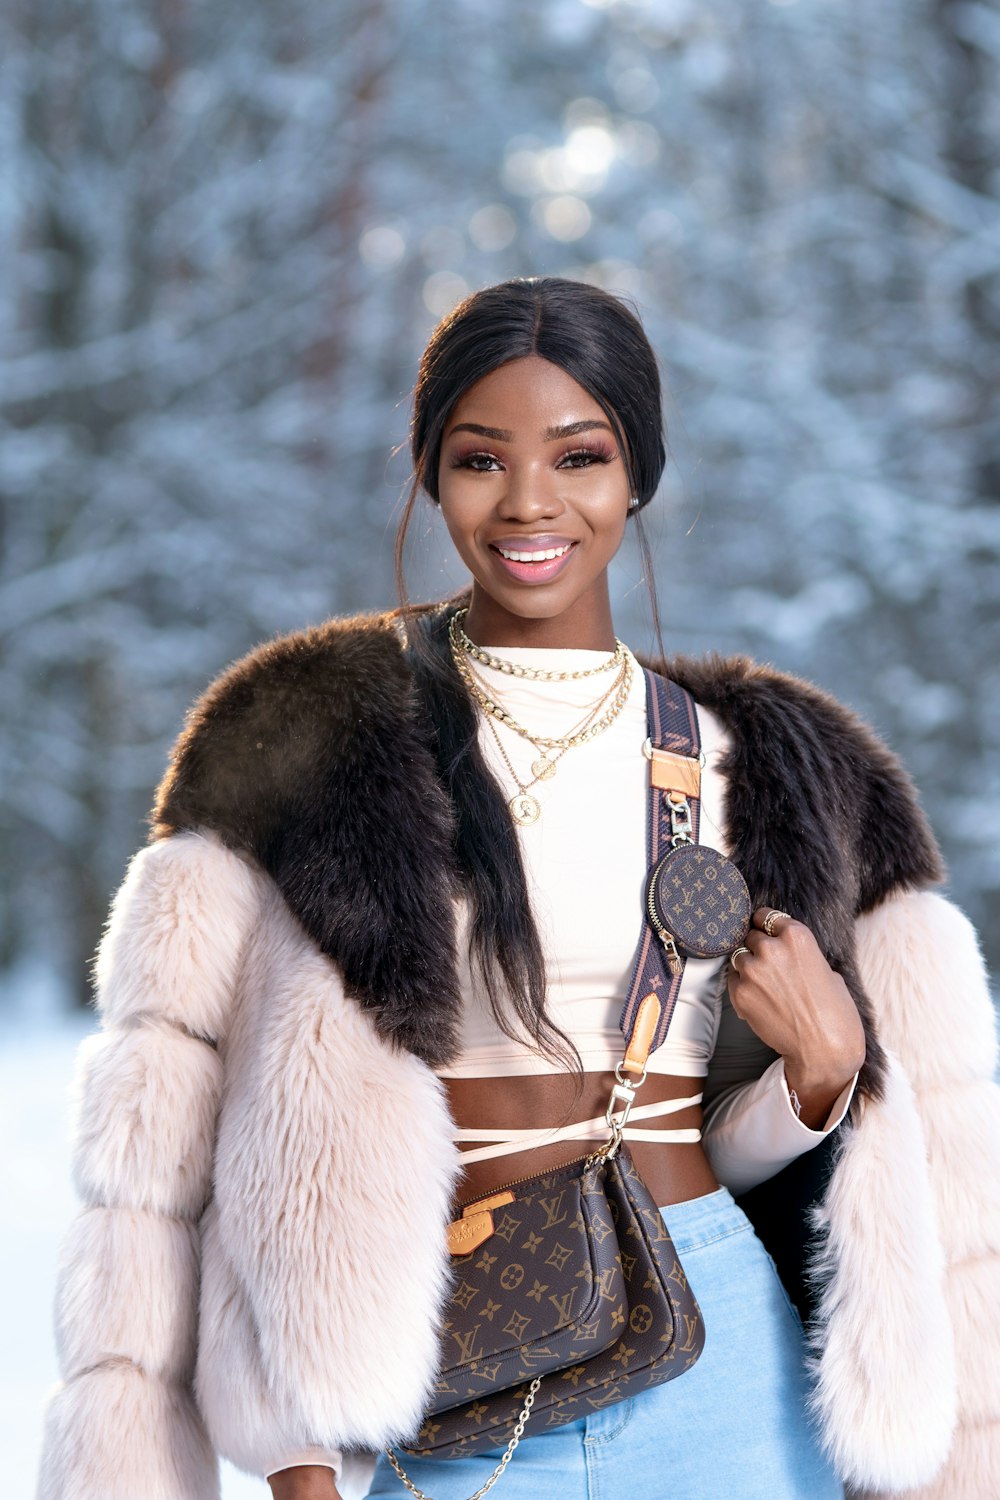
{"x": 123, "y": 1425}
{"x": 924, "y": 1395}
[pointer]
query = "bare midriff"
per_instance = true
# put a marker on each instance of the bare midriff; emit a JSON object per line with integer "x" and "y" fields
{"x": 672, "y": 1171}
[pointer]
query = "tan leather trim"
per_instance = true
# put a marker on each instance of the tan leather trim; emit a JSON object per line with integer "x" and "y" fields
{"x": 676, "y": 773}
{"x": 469, "y": 1232}
{"x": 642, "y": 1036}
{"x": 495, "y": 1200}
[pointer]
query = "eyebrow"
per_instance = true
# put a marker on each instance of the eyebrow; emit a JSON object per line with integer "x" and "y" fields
{"x": 501, "y": 434}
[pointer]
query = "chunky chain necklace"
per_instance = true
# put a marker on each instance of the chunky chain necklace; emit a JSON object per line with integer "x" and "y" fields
{"x": 489, "y": 705}
{"x": 620, "y": 687}
{"x": 524, "y": 807}
{"x": 517, "y": 669}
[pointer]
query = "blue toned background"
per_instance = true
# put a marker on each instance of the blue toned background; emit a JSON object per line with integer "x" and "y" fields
{"x": 226, "y": 230}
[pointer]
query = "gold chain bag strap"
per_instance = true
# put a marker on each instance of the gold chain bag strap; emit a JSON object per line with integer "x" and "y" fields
{"x": 567, "y": 1293}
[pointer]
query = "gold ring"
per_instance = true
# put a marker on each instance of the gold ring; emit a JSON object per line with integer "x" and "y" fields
{"x": 771, "y": 918}
{"x": 735, "y": 955}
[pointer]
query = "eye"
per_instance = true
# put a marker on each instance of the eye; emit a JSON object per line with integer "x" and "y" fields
{"x": 583, "y": 458}
{"x": 479, "y": 463}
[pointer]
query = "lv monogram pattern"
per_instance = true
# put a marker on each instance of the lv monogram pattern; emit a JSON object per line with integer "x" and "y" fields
{"x": 702, "y": 900}
{"x": 580, "y": 1283}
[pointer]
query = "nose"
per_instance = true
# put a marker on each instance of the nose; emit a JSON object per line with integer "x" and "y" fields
{"x": 530, "y": 494}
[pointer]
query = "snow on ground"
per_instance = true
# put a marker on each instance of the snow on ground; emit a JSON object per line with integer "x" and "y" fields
{"x": 37, "y": 1202}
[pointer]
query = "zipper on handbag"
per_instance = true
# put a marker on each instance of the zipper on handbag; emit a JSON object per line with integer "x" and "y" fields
{"x": 666, "y": 938}
{"x": 504, "y": 1187}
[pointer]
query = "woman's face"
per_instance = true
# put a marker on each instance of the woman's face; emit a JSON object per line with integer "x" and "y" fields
{"x": 530, "y": 467}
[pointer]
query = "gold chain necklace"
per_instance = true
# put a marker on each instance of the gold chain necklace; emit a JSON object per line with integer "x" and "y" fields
{"x": 495, "y": 710}
{"x": 489, "y": 705}
{"x": 516, "y": 669}
{"x": 524, "y": 807}
{"x": 543, "y": 768}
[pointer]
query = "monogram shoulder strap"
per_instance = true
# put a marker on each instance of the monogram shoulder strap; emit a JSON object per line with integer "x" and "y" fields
{"x": 673, "y": 750}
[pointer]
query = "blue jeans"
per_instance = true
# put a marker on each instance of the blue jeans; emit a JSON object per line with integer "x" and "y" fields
{"x": 733, "y": 1426}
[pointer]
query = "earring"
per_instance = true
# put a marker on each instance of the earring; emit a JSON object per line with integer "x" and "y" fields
{"x": 633, "y": 501}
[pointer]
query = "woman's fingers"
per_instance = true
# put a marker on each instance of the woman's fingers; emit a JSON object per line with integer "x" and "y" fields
{"x": 783, "y": 987}
{"x": 772, "y": 921}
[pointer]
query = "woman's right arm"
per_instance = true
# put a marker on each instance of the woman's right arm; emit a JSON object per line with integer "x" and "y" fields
{"x": 123, "y": 1423}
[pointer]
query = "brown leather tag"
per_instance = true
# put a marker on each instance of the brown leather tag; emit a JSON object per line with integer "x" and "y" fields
{"x": 469, "y": 1232}
{"x": 476, "y": 1224}
{"x": 675, "y": 773}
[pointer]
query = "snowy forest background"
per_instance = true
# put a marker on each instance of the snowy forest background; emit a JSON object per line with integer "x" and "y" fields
{"x": 226, "y": 230}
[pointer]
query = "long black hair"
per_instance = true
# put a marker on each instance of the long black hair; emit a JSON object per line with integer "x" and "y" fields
{"x": 599, "y": 341}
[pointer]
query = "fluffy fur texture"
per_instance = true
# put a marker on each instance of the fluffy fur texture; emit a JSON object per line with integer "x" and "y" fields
{"x": 319, "y": 731}
{"x": 128, "y": 1289}
{"x": 120, "y": 1434}
{"x": 332, "y": 1149}
{"x": 882, "y": 1309}
{"x": 919, "y": 956}
{"x": 125, "y": 1423}
{"x": 146, "y": 1119}
{"x": 182, "y": 913}
{"x": 806, "y": 775}
{"x": 271, "y": 1002}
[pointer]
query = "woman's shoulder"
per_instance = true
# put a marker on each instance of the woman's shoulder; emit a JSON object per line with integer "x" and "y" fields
{"x": 276, "y": 718}
{"x": 310, "y": 755}
{"x": 816, "y": 766}
{"x": 299, "y": 663}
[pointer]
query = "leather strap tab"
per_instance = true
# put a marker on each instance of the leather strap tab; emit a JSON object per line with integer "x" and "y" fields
{"x": 643, "y": 1031}
{"x": 675, "y": 773}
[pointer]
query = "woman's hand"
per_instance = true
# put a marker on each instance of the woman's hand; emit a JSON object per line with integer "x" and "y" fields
{"x": 305, "y": 1482}
{"x": 787, "y": 993}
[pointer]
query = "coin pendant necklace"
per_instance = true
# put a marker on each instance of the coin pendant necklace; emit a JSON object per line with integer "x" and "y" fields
{"x": 543, "y": 769}
{"x": 525, "y": 808}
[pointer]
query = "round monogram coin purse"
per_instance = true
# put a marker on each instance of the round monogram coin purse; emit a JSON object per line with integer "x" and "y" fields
{"x": 698, "y": 900}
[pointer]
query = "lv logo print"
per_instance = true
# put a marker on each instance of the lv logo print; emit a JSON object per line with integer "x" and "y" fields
{"x": 580, "y": 1264}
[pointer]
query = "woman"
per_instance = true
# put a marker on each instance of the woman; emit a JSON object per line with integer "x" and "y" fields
{"x": 394, "y": 881}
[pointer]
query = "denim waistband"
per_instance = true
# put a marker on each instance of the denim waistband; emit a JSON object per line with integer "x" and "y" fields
{"x": 700, "y": 1221}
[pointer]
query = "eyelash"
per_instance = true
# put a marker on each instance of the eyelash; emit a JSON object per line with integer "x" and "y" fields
{"x": 595, "y": 455}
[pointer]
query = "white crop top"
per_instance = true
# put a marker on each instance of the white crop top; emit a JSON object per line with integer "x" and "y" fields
{"x": 585, "y": 860}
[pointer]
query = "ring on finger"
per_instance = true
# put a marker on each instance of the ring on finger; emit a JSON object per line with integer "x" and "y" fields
{"x": 771, "y": 918}
{"x": 735, "y": 955}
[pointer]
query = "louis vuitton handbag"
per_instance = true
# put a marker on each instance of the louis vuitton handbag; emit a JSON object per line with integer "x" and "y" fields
{"x": 567, "y": 1293}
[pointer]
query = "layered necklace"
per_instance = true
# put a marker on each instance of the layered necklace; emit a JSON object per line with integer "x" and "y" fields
{"x": 526, "y": 808}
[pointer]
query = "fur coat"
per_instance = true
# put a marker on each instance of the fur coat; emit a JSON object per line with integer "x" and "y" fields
{"x": 260, "y": 1126}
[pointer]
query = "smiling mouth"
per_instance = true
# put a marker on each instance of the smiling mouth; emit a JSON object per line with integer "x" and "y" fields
{"x": 537, "y": 555}
{"x": 533, "y": 565}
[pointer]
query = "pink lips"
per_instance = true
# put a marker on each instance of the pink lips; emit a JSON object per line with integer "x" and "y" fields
{"x": 533, "y": 572}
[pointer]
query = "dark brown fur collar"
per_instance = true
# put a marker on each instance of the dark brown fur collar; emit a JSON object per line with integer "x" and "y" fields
{"x": 320, "y": 755}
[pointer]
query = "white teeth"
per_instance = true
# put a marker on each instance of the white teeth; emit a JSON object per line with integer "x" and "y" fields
{"x": 528, "y": 557}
